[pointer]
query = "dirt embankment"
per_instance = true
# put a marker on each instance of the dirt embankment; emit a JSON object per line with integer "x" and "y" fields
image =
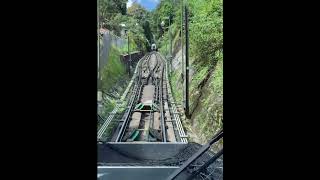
{"x": 205, "y": 96}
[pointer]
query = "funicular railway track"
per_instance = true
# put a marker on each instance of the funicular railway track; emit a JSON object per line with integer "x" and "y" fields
{"x": 145, "y": 120}
{"x": 150, "y": 135}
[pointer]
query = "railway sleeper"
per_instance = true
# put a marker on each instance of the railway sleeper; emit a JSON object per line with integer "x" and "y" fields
{"x": 129, "y": 133}
{"x": 156, "y": 133}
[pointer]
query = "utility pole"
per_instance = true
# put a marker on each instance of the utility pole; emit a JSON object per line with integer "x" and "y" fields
{"x": 170, "y": 37}
{"x": 182, "y": 54}
{"x": 167, "y": 50}
{"x": 99, "y": 94}
{"x": 129, "y": 63}
{"x": 98, "y": 29}
{"x": 187, "y": 61}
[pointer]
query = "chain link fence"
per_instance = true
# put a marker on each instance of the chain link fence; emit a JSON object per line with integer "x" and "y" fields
{"x": 106, "y": 40}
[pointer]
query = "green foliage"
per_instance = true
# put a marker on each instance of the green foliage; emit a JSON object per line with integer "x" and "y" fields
{"x": 199, "y": 76}
{"x": 206, "y": 30}
{"x": 176, "y": 86}
{"x": 137, "y": 12}
{"x": 113, "y": 14}
{"x": 206, "y": 62}
{"x": 113, "y": 71}
{"x": 109, "y": 8}
{"x": 217, "y": 82}
{"x": 113, "y": 23}
{"x": 147, "y": 32}
{"x": 164, "y": 44}
{"x": 165, "y": 9}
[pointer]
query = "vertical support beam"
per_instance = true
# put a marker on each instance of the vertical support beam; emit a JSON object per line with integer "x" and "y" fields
{"x": 98, "y": 29}
{"x": 129, "y": 61}
{"x": 170, "y": 36}
{"x": 167, "y": 50}
{"x": 182, "y": 55}
{"x": 99, "y": 98}
{"x": 187, "y": 62}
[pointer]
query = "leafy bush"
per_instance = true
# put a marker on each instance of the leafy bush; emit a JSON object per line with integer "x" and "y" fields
{"x": 206, "y": 30}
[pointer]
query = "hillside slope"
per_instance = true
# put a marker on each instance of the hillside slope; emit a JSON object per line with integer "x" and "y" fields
{"x": 205, "y": 97}
{"x": 206, "y": 67}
